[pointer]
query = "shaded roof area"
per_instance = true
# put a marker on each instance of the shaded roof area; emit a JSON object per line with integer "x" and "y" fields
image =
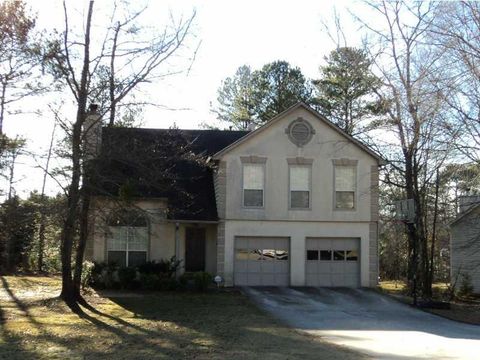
{"x": 161, "y": 163}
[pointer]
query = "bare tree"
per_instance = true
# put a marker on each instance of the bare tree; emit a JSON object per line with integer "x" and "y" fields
{"x": 455, "y": 33}
{"x": 407, "y": 64}
{"x": 78, "y": 63}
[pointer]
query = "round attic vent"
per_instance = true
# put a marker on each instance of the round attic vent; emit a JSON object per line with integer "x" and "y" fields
{"x": 300, "y": 132}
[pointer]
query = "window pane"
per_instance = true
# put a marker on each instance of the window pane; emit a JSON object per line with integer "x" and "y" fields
{"x": 241, "y": 254}
{"x": 352, "y": 255}
{"x": 117, "y": 238}
{"x": 136, "y": 258}
{"x": 339, "y": 255}
{"x": 345, "y": 200}
{"x": 299, "y": 199}
{"x": 255, "y": 254}
{"x": 117, "y": 258}
{"x": 268, "y": 254}
{"x": 253, "y": 198}
{"x": 344, "y": 178}
{"x": 299, "y": 178}
{"x": 282, "y": 254}
{"x": 253, "y": 176}
{"x": 325, "y": 254}
{"x": 312, "y": 254}
{"x": 138, "y": 239}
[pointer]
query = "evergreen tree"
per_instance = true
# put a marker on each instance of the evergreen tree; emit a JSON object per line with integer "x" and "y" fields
{"x": 235, "y": 99}
{"x": 346, "y": 89}
{"x": 277, "y": 86}
{"x": 256, "y": 97}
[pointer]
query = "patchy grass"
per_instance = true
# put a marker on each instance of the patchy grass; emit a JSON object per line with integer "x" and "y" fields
{"x": 463, "y": 311}
{"x": 218, "y": 325}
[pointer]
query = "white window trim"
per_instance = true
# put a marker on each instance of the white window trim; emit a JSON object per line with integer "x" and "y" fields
{"x": 127, "y": 250}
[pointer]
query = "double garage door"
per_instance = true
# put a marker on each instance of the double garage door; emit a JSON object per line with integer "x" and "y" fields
{"x": 265, "y": 261}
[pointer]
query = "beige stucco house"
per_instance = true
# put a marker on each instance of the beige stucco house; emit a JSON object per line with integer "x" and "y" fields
{"x": 292, "y": 203}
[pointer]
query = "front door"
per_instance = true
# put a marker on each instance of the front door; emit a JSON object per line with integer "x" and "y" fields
{"x": 194, "y": 249}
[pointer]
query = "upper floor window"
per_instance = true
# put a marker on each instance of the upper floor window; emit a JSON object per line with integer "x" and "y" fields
{"x": 345, "y": 184}
{"x": 300, "y": 186}
{"x": 253, "y": 184}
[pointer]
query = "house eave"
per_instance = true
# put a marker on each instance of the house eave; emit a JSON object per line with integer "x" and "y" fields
{"x": 221, "y": 153}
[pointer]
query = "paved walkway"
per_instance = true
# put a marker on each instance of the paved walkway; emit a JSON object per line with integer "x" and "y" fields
{"x": 371, "y": 323}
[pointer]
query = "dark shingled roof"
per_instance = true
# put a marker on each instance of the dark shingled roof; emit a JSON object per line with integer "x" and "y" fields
{"x": 139, "y": 162}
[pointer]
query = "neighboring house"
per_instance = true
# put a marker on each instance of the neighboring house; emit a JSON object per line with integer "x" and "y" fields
{"x": 292, "y": 203}
{"x": 465, "y": 242}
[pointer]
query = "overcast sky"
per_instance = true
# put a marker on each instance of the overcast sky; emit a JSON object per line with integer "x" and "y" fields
{"x": 230, "y": 34}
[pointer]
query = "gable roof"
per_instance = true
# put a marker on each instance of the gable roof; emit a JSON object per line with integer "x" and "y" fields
{"x": 464, "y": 214}
{"x": 291, "y": 109}
{"x": 191, "y": 197}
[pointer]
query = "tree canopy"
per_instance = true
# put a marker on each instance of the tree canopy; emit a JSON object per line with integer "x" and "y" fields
{"x": 346, "y": 89}
{"x": 256, "y": 97}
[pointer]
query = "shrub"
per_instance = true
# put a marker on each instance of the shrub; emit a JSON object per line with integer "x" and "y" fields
{"x": 466, "y": 286}
{"x": 168, "y": 267}
{"x": 127, "y": 276}
{"x": 154, "y": 267}
{"x": 103, "y": 275}
{"x": 87, "y": 274}
{"x": 149, "y": 281}
{"x": 202, "y": 280}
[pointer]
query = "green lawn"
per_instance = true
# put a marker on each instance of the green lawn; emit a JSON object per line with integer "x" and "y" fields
{"x": 217, "y": 325}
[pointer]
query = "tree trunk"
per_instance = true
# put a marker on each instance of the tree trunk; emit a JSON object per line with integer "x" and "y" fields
{"x": 69, "y": 228}
{"x": 68, "y": 291}
{"x": 434, "y": 230}
{"x": 82, "y": 242}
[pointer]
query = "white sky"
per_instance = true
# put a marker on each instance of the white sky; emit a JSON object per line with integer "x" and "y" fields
{"x": 232, "y": 33}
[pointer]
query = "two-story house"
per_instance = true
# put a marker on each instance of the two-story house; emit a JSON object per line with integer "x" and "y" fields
{"x": 292, "y": 203}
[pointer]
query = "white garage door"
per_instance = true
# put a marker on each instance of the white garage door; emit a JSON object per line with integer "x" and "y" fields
{"x": 262, "y": 261}
{"x": 332, "y": 262}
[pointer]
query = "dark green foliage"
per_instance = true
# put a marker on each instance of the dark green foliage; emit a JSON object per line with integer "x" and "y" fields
{"x": 256, "y": 97}
{"x": 127, "y": 276}
{"x": 161, "y": 267}
{"x": 236, "y": 99}
{"x": 346, "y": 89}
{"x": 466, "y": 287}
{"x": 277, "y": 86}
{"x": 18, "y": 225}
{"x": 153, "y": 275}
{"x": 202, "y": 280}
{"x": 155, "y": 267}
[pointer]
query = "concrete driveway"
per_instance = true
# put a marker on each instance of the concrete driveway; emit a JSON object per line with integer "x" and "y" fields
{"x": 369, "y": 322}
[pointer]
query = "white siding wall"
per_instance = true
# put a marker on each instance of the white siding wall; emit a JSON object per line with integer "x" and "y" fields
{"x": 465, "y": 248}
